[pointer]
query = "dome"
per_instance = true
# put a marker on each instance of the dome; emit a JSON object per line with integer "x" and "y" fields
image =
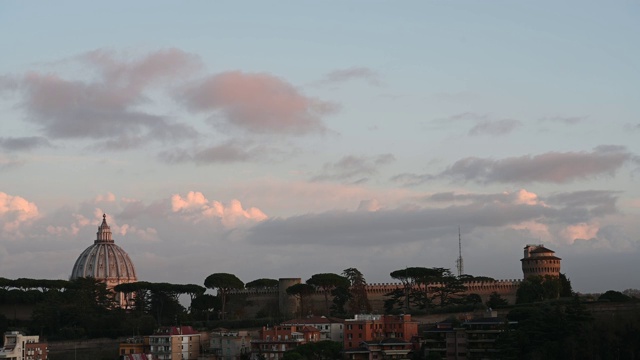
{"x": 104, "y": 260}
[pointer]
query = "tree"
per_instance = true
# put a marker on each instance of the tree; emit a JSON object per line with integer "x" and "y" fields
{"x": 262, "y": 284}
{"x": 411, "y": 278}
{"x": 496, "y": 301}
{"x": 327, "y": 282}
{"x": 302, "y": 292}
{"x": 565, "y": 286}
{"x": 205, "y": 304}
{"x": 341, "y": 296}
{"x": 449, "y": 286}
{"x": 358, "y": 302}
{"x": 530, "y": 290}
{"x": 223, "y": 283}
{"x": 614, "y": 296}
{"x": 320, "y": 350}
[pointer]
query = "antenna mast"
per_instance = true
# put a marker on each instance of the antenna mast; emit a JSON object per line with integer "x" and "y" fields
{"x": 459, "y": 263}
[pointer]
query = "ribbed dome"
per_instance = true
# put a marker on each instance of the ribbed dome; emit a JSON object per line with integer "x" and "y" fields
{"x": 105, "y": 260}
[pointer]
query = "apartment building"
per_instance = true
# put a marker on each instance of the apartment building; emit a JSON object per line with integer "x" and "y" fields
{"x": 18, "y": 346}
{"x": 375, "y": 328}
{"x": 174, "y": 343}
{"x": 274, "y": 341}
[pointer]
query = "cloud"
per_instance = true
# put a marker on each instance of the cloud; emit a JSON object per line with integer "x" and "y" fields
{"x": 350, "y": 167}
{"x": 7, "y": 163}
{"x": 354, "y": 73}
{"x": 581, "y": 231}
{"x": 567, "y": 120}
{"x": 521, "y": 196}
{"x": 228, "y": 152}
{"x": 257, "y": 103}
{"x": 14, "y": 212}
{"x": 106, "y": 107}
{"x": 23, "y": 143}
{"x": 598, "y": 202}
{"x": 484, "y": 124}
{"x": 495, "y": 127}
{"x": 195, "y": 208}
{"x": 551, "y": 167}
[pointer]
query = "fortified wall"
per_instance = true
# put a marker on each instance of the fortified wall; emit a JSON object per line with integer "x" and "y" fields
{"x": 271, "y": 301}
{"x": 537, "y": 260}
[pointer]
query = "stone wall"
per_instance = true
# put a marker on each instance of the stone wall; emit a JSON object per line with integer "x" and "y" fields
{"x": 276, "y": 301}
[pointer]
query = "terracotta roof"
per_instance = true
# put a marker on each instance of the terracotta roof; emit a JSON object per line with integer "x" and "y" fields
{"x": 307, "y": 328}
{"x": 176, "y": 330}
{"x": 314, "y": 320}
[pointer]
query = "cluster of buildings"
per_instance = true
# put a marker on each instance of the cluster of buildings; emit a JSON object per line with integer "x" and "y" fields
{"x": 365, "y": 337}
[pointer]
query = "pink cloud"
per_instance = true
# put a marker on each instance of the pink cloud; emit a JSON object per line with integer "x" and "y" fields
{"x": 14, "y": 211}
{"x": 195, "y": 207}
{"x": 259, "y": 103}
{"x": 581, "y": 231}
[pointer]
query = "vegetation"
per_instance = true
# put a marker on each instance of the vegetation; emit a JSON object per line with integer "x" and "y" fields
{"x": 302, "y": 293}
{"x": 566, "y": 330}
{"x": 424, "y": 288}
{"x": 358, "y": 300}
{"x": 262, "y": 284}
{"x": 321, "y": 350}
{"x": 538, "y": 288}
{"x": 328, "y": 282}
{"x": 223, "y": 283}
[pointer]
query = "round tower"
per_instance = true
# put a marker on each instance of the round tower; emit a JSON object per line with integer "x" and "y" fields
{"x": 287, "y": 304}
{"x": 540, "y": 261}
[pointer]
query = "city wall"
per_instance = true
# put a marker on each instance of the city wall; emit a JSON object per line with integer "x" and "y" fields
{"x": 277, "y": 301}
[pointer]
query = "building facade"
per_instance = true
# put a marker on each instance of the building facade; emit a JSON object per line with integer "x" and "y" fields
{"x": 229, "y": 345}
{"x": 375, "y": 328}
{"x": 469, "y": 340}
{"x": 274, "y": 341}
{"x": 174, "y": 343}
{"x": 18, "y": 346}
{"x": 330, "y": 328}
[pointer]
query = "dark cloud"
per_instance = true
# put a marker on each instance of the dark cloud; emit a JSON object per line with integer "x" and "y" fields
{"x": 257, "y": 103}
{"x": 23, "y": 143}
{"x": 350, "y": 167}
{"x": 551, "y": 167}
{"x": 354, "y": 73}
{"x": 596, "y": 202}
{"x": 401, "y": 226}
{"x": 495, "y": 127}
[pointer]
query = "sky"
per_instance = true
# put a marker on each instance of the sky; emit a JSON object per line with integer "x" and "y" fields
{"x": 284, "y": 139}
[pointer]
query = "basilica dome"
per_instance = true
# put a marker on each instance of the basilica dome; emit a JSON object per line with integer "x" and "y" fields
{"x": 104, "y": 260}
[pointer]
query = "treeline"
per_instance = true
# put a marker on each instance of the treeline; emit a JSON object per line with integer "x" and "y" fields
{"x": 567, "y": 330}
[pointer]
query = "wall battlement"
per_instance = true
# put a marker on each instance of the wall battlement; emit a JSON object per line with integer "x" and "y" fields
{"x": 376, "y": 293}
